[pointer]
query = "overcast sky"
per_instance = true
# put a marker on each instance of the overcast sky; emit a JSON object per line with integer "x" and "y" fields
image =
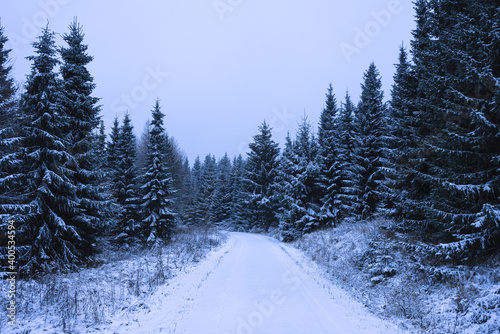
{"x": 220, "y": 67}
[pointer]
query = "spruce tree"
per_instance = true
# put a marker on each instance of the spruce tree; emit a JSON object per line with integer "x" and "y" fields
{"x": 372, "y": 151}
{"x": 221, "y": 203}
{"x": 142, "y": 149}
{"x": 237, "y": 210}
{"x": 110, "y": 169}
{"x": 401, "y": 109}
{"x": 327, "y": 120}
{"x": 8, "y": 121}
{"x": 261, "y": 169}
{"x": 207, "y": 187}
{"x": 418, "y": 188}
{"x": 78, "y": 87}
{"x": 329, "y": 181}
{"x": 47, "y": 205}
{"x": 157, "y": 188}
{"x": 195, "y": 214}
{"x": 288, "y": 212}
{"x": 83, "y": 112}
{"x": 100, "y": 147}
{"x": 204, "y": 183}
{"x": 348, "y": 142}
{"x": 112, "y": 149}
{"x": 458, "y": 125}
{"x": 404, "y": 123}
{"x": 307, "y": 176}
{"x": 126, "y": 189}
{"x": 8, "y": 144}
{"x": 8, "y": 91}
{"x": 185, "y": 196}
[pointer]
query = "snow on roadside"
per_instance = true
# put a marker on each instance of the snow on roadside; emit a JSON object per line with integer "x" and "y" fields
{"x": 167, "y": 306}
{"x": 92, "y": 300}
{"x": 372, "y": 263}
{"x": 359, "y": 313}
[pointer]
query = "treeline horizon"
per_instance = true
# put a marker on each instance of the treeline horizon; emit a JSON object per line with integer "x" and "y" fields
{"x": 428, "y": 159}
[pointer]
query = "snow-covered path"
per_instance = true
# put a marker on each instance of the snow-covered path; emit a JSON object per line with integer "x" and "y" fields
{"x": 253, "y": 285}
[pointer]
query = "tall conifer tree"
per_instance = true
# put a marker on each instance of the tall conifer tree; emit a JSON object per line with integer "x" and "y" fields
{"x": 404, "y": 128}
{"x": 238, "y": 193}
{"x": 157, "y": 188}
{"x": 261, "y": 169}
{"x": 47, "y": 205}
{"x": 112, "y": 149}
{"x": 307, "y": 173}
{"x": 222, "y": 198}
{"x": 8, "y": 89}
{"x": 126, "y": 187}
{"x": 286, "y": 194}
{"x": 348, "y": 191}
{"x": 328, "y": 160}
{"x": 83, "y": 114}
{"x": 8, "y": 121}
{"x": 372, "y": 151}
{"x": 457, "y": 107}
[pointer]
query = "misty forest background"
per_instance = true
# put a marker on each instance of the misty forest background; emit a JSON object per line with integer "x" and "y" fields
{"x": 428, "y": 160}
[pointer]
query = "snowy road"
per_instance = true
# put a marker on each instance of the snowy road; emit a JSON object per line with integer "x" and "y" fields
{"x": 253, "y": 285}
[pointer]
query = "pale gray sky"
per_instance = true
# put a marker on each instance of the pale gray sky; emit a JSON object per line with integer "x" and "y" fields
{"x": 220, "y": 67}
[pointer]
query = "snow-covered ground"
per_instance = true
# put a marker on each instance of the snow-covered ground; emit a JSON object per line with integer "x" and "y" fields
{"x": 88, "y": 300}
{"x": 251, "y": 284}
{"x": 382, "y": 269}
{"x": 206, "y": 282}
